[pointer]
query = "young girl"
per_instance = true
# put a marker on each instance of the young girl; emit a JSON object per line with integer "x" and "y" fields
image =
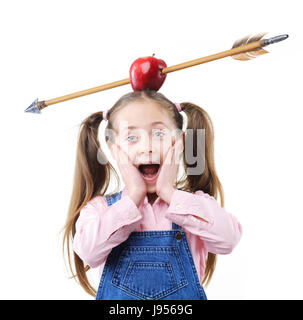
{"x": 159, "y": 236}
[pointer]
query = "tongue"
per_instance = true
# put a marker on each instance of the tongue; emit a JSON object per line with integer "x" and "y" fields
{"x": 150, "y": 168}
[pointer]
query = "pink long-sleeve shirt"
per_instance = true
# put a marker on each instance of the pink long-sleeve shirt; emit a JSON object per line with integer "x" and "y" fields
{"x": 208, "y": 226}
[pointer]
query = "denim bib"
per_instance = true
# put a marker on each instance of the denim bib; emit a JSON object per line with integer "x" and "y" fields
{"x": 150, "y": 265}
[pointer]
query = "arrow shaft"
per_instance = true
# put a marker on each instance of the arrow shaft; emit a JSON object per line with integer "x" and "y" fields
{"x": 86, "y": 92}
{"x": 220, "y": 55}
{"x": 216, "y": 56}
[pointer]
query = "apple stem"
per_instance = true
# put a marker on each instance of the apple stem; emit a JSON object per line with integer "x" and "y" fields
{"x": 153, "y": 54}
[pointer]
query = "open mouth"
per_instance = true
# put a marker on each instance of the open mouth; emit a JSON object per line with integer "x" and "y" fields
{"x": 149, "y": 171}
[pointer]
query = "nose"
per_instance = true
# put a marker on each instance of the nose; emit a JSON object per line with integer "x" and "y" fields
{"x": 147, "y": 148}
{"x": 146, "y": 145}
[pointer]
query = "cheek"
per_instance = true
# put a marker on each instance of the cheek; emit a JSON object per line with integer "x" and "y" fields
{"x": 131, "y": 153}
{"x": 163, "y": 147}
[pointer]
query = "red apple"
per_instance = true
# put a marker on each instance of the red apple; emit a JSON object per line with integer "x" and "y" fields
{"x": 146, "y": 73}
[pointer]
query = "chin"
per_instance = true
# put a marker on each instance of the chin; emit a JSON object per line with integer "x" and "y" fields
{"x": 151, "y": 188}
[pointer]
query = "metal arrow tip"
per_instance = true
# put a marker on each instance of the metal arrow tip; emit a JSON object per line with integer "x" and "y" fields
{"x": 33, "y": 108}
{"x": 275, "y": 39}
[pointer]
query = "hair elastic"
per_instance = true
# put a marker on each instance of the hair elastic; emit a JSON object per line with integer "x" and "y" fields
{"x": 104, "y": 115}
{"x": 177, "y": 104}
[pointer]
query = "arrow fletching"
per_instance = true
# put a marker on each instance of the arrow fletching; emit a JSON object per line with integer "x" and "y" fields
{"x": 249, "y": 54}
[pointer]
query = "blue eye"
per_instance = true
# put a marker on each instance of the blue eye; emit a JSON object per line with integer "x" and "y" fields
{"x": 130, "y": 137}
{"x": 161, "y": 132}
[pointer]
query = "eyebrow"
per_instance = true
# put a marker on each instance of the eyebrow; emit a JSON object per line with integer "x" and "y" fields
{"x": 153, "y": 123}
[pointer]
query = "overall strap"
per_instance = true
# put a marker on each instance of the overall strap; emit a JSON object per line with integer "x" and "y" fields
{"x": 175, "y": 226}
{"x": 113, "y": 198}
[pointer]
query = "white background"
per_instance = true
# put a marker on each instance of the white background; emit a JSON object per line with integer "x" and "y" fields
{"x": 52, "y": 48}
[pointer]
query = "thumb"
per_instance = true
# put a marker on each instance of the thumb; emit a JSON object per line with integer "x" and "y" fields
{"x": 115, "y": 151}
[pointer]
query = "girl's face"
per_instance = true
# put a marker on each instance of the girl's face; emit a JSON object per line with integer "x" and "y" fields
{"x": 145, "y": 132}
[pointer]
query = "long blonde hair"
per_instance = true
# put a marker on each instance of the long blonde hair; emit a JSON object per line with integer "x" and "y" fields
{"x": 92, "y": 176}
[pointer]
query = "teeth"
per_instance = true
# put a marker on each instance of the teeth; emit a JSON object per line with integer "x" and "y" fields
{"x": 141, "y": 164}
{"x": 148, "y": 163}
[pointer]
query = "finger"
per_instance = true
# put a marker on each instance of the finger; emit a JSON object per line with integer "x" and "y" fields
{"x": 120, "y": 156}
{"x": 168, "y": 157}
{"x": 124, "y": 157}
{"x": 178, "y": 149}
{"x": 174, "y": 155}
{"x": 116, "y": 151}
{"x": 117, "y": 156}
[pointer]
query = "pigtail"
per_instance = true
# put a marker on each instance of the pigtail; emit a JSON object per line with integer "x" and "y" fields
{"x": 91, "y": 178}
{"x": 207, "y": 181}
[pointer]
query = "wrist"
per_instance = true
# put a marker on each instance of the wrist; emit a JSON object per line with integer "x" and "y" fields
{"x": 137, "y": 198}
{"x": 167, "y": 194}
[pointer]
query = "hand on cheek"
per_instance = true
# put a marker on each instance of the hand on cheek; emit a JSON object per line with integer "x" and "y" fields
{"x": 130, "y": 174}
{"x": 168, "y": 172}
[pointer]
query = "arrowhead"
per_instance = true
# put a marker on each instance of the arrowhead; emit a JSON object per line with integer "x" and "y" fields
{"x": 33, "y": 108}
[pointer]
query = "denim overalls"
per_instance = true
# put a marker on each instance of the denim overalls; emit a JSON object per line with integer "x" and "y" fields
{"x": 150, "y": 265}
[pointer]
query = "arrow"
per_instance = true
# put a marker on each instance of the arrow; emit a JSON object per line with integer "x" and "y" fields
{"x": 243, "y": 49}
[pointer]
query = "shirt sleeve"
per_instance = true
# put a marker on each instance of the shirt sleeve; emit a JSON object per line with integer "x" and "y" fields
{"x": 200, "y": 214}
{"x": 100, "y": 228}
